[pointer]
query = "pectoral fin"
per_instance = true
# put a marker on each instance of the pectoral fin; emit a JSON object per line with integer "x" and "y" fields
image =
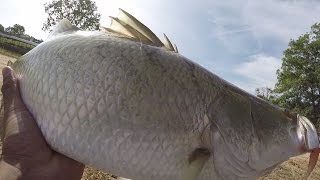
{"x": 121, "y": 178}
{"x": 195, "y": 164}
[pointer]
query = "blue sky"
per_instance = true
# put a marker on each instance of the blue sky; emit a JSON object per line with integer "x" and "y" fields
{"x": 240, "y": 40}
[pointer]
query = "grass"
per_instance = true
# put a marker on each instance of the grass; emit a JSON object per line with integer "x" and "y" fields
{"x": 16, "y": 43}
{"x": 9, "y": 53}
{"x": 15, "y": 47}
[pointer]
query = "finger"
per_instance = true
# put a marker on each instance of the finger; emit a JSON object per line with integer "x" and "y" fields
{"x": 9, "y": 87}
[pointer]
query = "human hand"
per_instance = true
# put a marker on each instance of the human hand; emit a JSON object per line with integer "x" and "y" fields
{"x": 25, "y": 153}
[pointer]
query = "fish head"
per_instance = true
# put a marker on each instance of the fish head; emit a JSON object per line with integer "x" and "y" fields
{"x": 250, "y": 137}
{"x": 279, "y": 135}
{"x": 306, "y": 134}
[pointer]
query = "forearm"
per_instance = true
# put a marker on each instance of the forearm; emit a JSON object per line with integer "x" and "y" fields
{"x": 10, "y": 172}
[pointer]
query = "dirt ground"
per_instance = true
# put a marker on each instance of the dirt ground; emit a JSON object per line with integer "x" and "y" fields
{"x": 293, "y": 169}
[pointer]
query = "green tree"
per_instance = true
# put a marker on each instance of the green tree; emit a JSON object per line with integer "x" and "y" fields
{"x": 298, "y": 85}
{"x": 82, "y": 13}
{"x": 16, "y": 30}
{"x": 265, "y": 93}
{"x": 1, "y": 28}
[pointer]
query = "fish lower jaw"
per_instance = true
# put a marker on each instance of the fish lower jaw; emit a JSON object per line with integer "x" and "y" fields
{"x": 307, "y": 135}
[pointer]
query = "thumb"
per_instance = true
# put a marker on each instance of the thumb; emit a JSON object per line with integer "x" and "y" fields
{"x": 10, "y": 89}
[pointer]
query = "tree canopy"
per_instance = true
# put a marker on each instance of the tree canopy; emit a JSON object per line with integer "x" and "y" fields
{"x": 16, "y": 30}
{"x": 1, "y": 28}
{"x": 298, "y": 86}
{"x": 82, "y": 13}
{"x": 265, "y": 93}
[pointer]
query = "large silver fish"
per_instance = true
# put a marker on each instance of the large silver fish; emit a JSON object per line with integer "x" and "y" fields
{"x": 125, "y": 102}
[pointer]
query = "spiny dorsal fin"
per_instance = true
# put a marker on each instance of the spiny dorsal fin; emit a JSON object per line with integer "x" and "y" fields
{"x": 167, "y": 43}
{"x": 121, "y": 27}
{"x": 63, "y": 26}
{"x": 175, "y": 48}
{"x": 127, "y": 26}
{"x": 137, "y": 25}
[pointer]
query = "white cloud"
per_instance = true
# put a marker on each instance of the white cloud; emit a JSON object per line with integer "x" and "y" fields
{"x": 260, "y": 70}
{"x": 175, "y": 18}
{"x": 239, "y": 22}
{"x": 264, "y": 27}
{"x": 217, "y": 34}
{"x": 283, "y": 20}
{"x": 29, "y": 14}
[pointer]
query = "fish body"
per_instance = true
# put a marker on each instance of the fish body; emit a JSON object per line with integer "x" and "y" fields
{"x": 145, "y": 112}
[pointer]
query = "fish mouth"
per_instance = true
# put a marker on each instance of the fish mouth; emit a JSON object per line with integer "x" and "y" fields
{"x": 310, "y": 139}
{"x": 310, "y": 143}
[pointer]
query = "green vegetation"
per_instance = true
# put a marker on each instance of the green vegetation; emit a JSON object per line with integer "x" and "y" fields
{"x": 16, "y": 30}
{"x": 9, "y": 53}
{"x": 265, "y": 93}
{"x": 298, "y": 86}
{"x": 82, "y": 13}
{"x": 1, "y": 28}
{"x": 14, "y": 45}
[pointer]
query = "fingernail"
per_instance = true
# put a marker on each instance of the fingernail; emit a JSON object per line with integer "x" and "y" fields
{"x": 6, "y": 72}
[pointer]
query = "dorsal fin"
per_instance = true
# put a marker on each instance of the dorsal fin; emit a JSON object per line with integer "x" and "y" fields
{"x": 118, "y": 27}
{"x": 137, "y": 25}
{"x": 167, "y": 43}
{"x": 125, "y": 25}
{"x": 175, "y": 48}
{"x": 63, "y": 26}
{"x": 121, "y": 27}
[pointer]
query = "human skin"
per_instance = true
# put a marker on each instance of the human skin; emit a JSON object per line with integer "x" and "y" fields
{"x": 25, "y": 153}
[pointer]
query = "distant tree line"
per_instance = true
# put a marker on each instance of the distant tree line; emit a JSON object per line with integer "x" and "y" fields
{"x": 18, "y": 31}
{"x": 82, "y": 13}
{"x": 298, "y": 79}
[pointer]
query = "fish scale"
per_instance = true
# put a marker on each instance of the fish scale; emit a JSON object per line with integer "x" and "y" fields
{"x": 61, "y": 103}
{"x": 136, "y": 108}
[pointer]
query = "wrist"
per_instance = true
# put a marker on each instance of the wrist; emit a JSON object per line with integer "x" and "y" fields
{"x": 8, "y": 171}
